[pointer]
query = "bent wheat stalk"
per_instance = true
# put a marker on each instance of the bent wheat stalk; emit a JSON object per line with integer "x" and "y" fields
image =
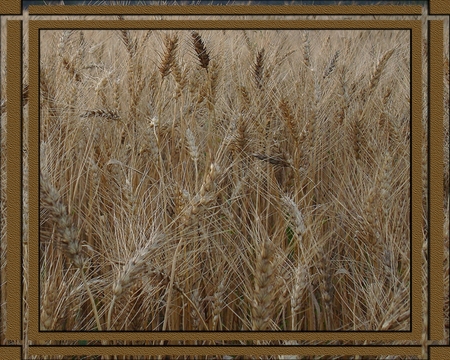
{"x": 69, "y": 244}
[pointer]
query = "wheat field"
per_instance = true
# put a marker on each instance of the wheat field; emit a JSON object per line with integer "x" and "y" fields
{"x": 225, "y": 180}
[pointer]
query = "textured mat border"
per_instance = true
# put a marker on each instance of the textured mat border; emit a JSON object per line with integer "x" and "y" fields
{"x": 33, "y": 133}
{"x": 436, "y": 289}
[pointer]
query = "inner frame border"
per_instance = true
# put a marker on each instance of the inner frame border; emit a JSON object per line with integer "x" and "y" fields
{"x": 415, "y": 28}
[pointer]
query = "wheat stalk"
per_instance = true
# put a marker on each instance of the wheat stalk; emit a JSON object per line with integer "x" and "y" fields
{"x": 136, "y": 267}
{"x": 69, "y": 242}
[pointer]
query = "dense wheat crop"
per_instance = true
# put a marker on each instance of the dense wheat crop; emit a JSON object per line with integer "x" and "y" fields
{"x": 225, "y": 180}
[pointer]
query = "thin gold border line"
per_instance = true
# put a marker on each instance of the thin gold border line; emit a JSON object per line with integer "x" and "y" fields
{"x": 226, "y": 350}
{"x": 416, "y": 106}
{"x": 436, "y": 179}
{"x": 226, "y": 10}
{"x": 14, "y": 181}
{"x": 416, "y": 179}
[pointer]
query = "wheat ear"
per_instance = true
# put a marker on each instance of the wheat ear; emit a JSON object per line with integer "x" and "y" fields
{"x": 135, "y": 267}
{"x": 107, "y": 114}
{"x": 375, "y": 77}
{"x": 258, "y": 69}
{"x": 168, "y": 59}
{"x": 200, "y": 49}
{"x": 379, "y": 69}
{"x": 70, "y": 244}
{"x": 263, "y": 294}
{"x": 331, "y": 65}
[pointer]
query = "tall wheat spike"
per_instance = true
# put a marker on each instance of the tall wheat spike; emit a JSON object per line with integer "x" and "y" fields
{"x": 200, "y": 49}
